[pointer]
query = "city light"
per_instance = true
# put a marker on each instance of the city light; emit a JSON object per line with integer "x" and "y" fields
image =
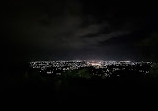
{"x": 94, "y": 68}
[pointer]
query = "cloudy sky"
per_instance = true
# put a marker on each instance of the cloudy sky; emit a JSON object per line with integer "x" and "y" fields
{"x": 78, "y": 29}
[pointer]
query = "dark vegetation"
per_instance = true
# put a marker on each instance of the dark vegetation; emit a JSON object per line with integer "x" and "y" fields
{"x": 26, "y": 83}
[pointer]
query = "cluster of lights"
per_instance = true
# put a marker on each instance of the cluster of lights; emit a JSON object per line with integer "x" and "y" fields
{"x": 61, "y": 66}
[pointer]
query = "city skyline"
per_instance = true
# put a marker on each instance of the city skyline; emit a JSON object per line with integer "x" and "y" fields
{"x": 106, "y": 68}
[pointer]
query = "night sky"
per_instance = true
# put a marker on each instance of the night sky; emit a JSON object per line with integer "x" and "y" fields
{"x": 79, "y": 29}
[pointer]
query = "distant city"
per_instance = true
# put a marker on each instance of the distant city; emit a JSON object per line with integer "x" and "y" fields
{"x": 91, "y": 68}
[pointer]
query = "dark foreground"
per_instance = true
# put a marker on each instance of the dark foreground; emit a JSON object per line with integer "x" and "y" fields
{"x": 80, "y": 91}
{"x": 18, "y": 89}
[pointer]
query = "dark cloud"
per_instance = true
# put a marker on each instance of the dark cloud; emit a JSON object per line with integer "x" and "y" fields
{"x": 68, "y": 28}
